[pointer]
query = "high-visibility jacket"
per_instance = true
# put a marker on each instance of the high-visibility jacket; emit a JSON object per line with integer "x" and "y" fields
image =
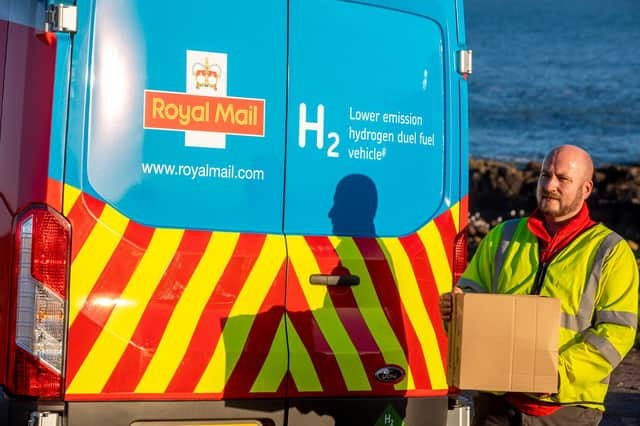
{"x": 596, "y": 279}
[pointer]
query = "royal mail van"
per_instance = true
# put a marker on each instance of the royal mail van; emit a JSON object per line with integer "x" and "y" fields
{"x": 229, "y": 213}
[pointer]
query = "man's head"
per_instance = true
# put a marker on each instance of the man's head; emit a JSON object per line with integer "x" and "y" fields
{"x": 564, "y": 183}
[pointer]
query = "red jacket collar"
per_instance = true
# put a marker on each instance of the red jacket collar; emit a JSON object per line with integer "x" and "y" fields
{"x": 551, "y": 244}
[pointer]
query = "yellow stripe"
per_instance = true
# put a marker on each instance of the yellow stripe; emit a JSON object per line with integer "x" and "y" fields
{"x": 302, "y": 369}
{"x": 187, "y": 313}
{"x": 116, "y": 335}
{"x": 69, "y": 198}
{"x": 432, "y": 241}
{"x": 93, "y": 257}
{"x": 238, "y": 325}
{"x": 416, "y": 310}
{"x": 455, "y": 215}
{"x": 275, "y": 365}
{"x": 371, "y": 310}
{"x": 319, "y": 301}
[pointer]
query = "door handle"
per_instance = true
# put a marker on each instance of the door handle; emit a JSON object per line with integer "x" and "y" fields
{"x": 337, "y": 280}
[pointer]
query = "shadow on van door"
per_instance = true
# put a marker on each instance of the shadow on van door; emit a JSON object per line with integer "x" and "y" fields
{"x": 354, "y": 207}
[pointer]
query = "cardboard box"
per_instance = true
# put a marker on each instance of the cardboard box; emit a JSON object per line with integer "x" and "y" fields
{"x": 504, "y": 343}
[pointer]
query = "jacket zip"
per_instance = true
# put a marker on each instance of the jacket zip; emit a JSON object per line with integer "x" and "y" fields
{"x": 540, "y": 274}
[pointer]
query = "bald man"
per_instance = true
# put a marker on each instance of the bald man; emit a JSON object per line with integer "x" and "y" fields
{"x": 559, "y": 251}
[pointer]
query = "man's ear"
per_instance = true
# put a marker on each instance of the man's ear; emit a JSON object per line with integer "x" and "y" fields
{"x": 587, "y": 188}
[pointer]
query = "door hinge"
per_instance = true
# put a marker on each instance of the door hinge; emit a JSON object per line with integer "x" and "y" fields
{"x": 465, "y": 62}
{"x": 61, "y": 18}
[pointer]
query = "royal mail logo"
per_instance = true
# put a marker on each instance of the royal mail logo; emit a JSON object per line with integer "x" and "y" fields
{"x": 180, "y": 111}
{"x": 205, "y": 113}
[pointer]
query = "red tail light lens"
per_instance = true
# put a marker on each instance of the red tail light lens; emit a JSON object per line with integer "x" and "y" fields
{"x": 42, "y": 241}
{"x": 50, "y": 251}
{"x": 34, "y": 378}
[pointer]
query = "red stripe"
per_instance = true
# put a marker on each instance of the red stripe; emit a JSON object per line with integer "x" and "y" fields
{"x": 303, "y": 322}
{"x": 464, "y": 212}
{"x": 217, "y": 396}
{"x": 349, "y": 312}
{"x": 428, "y": 287}
{"x": 54, "y": 194}
{"x": 114, "y": 278}
{"x": 259, "y": 341}
{"x": 216, "y": 312}
{"x": 152, "y": 325}
{"x": 386, "y": 288}
{"x": 447, "y": 230}
{"x": 83, "y": 216}
{"x": 287, "y": 383}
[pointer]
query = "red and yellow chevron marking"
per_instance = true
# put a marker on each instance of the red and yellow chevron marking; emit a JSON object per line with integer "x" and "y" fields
{"x": 179, "y": 314}
{"x": 171, "y": 313}
{"x": 341, "y": 336}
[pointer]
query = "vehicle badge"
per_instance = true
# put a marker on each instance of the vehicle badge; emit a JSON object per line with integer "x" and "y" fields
{"x": 389, "y": 374}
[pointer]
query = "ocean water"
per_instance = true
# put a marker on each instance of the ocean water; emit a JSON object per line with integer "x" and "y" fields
{"x": 549, "y": 72}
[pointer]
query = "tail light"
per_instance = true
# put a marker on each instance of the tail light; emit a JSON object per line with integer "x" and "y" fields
{"x": 41, "y": 270}
{"x": 459, "y": 265}
{"x": 460, "y": 255}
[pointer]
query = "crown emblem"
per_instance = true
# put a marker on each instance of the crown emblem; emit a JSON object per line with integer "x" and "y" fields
{"x": 206, "y": 75}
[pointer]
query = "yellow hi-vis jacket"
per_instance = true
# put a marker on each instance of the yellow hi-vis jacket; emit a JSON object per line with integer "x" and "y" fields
{"x": 595, "y": 278}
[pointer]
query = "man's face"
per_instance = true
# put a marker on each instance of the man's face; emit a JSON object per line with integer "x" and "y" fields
{"x": 562, "y": 186}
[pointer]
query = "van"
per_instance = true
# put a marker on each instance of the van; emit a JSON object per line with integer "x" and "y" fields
{"x": 229, "y": 213}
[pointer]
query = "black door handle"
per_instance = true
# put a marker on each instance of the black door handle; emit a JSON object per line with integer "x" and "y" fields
{"x": 337, "y": 280}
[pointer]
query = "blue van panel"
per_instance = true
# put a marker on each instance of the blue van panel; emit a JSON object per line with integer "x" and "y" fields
{"x": 179, "y": 177}
{"x": 366, "y": 138}
{"x": 157, "y": 177}
{"x": 60, "y": 107}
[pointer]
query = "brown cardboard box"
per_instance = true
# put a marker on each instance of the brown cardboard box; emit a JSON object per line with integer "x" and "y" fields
{"x": 504, "y": 343}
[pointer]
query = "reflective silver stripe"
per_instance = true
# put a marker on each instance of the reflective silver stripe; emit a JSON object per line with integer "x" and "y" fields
{"x": 570, "y": 321}
{"x": 508, "y": 231}
{"x": 616, "y": 317}
{"x": 583, "y": 319}
{"x": 467, "y": 283}
{"x": 606, "y": 349}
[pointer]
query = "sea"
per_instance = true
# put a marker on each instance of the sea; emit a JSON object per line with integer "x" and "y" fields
{"x": 550, "y": 72}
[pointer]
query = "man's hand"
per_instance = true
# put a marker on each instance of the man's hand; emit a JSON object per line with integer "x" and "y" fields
{"x": 446, "y": 303}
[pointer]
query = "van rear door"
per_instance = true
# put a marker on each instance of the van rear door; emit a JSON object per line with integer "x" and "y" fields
{"x": 174, "y": 188}
{"x": 371, "y": 207}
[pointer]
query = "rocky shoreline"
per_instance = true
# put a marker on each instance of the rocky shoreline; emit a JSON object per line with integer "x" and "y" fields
{"x": 499, "y": 190}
